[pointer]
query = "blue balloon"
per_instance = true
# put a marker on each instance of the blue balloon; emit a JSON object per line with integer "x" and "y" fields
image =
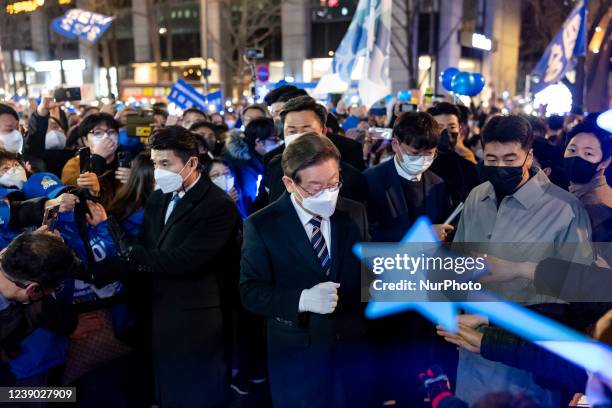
{"x": 446, "y": 77}
{"x": 463, "y": 83}
{"x": 479, "y": 84}
{"x": 404, "y": 96}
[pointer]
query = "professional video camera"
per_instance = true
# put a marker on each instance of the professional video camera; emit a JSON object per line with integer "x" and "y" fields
{"x": 140, "y": 125}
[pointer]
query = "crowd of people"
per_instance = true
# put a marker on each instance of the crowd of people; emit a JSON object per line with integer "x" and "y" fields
{"x": 213, "y": 265}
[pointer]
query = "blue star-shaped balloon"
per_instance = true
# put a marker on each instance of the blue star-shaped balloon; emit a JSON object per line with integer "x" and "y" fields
{"x": 553, "y": 336}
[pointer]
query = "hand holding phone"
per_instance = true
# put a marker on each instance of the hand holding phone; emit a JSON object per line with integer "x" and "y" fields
{"x": 50, "y": 217}
{"x": 67, "y": 94}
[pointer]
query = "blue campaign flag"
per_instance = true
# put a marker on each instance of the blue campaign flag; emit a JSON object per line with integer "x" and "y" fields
{"x": 563, "y": 51}
{"x": 185, "y": 96}
{"x": 215, "y": 98}
{"x": 80, "y": 24}
{"x": 354, "y": 43}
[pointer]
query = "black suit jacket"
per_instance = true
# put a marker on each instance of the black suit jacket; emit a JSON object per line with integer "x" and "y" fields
{"x": 387, "y": 209}
{"x": 350, "y": 150}
{"x": 278, "y": 262}
{"x": 190, "y": 261}
{"x": 459, "y": 174}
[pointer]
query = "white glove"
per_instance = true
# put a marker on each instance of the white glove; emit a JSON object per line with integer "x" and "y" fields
{"x": 321, "y": 298}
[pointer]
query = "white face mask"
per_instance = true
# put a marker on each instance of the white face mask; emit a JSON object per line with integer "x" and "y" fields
{"x": 55, "y": 139}
{"x": 14, "y": 177}
{"x": 224, "y": 182}
{"x": 414, "y": 165}
{"x": 230, "y": 124}
{"x": 168, "y": 181}
{"x": 268, "y": 148}
{"x": 291, "y": 138}
{"x": 323, "y": 204}
{"x": 13, "y": 141}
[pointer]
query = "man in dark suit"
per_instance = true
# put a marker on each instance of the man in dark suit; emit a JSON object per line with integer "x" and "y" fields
{"x": 402, "y": 189}
{"x": 350, "y": 150}
{"x": 188, "y": 248}
{"x": 458, "y": 173}
{"x": 298, "y": 271}
{"x": 300, "y": 115}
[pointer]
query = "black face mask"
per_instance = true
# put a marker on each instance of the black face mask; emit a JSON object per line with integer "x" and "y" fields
{"x": 505, "y": 179}
{"x": 448, "y": 141}
{"x": 578, "y": 170}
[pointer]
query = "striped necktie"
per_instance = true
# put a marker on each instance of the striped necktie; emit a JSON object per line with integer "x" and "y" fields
{"x": 319, "y": 245}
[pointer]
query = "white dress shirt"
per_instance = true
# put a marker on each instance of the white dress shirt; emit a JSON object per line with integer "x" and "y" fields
{"x": 305, "y": 218}
{"x": 181, "y": 193}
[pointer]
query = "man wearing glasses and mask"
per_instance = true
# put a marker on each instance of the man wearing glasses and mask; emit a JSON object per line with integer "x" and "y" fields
{"x": 298, "y": 271}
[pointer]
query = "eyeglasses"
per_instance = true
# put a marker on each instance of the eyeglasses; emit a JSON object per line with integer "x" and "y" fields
{"x": 103, "y": 133}
{"x": 333, "y": 188}
{"x": 434, "y": 155}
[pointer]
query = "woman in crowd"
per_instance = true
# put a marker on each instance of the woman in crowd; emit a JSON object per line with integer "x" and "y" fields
{"x": 222, "y": 175}
{"x": 587, "y": 156}
{"x": 125, "y": 219}
{"x": 46, "y": 137}
{"x": 245, "y": 152}
{"x": 128, "y": 206}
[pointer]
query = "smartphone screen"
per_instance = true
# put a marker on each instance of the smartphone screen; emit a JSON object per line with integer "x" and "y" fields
{"x": 408, "y": 107}
{"x": 50, "y": 217}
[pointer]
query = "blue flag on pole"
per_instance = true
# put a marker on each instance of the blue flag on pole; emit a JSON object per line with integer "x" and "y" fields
{"x": 366, "y": 44}
{"x": 80, "y": 24}
{"x": 185, "y": 96}
{"x": 563, "y": 51}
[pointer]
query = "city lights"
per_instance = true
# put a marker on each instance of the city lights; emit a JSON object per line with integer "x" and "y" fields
{"x": 24, "y": 6}
{"x": 557, "y": 98}
{"x": 481, "y": 41}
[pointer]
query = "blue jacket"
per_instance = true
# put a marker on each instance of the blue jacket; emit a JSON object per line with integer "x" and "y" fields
{"x": 102, "y": 246}
{"x": 248, "y": 171}
{"x": 131, "y": 225}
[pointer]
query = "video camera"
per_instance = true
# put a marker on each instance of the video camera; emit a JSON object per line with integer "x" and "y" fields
{"x": 140, "y": 125}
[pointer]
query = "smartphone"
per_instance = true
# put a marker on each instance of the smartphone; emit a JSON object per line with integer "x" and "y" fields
{"x": 408, "y": 107}
{"x": 67, "y": 94}
{"x": 85, "y": 160}
{"x": 50, "y": 217}
{"x": 381, "y": 133}
{"x": 124, "y": 159}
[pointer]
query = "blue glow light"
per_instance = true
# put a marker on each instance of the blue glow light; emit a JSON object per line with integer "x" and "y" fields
{"x": 559, "y": 339}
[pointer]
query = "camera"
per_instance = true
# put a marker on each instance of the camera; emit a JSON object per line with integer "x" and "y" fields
{"x": 81, "y": 207}
{"x": 67, "y": 94}
{"x": 254, "y": 53}
{"x": 140, "y": 125}
{"x": 124, "y": 159}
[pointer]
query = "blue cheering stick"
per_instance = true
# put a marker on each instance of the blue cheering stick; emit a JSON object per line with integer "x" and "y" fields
{"x": 583, "y": 351}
